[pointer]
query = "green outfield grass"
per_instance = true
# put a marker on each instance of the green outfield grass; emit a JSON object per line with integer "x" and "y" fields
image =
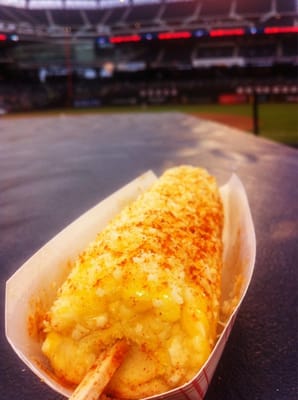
{"x": 278, "y": 122}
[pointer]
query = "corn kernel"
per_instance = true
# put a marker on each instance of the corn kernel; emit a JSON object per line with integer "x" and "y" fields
{"x": 151, "y": 276}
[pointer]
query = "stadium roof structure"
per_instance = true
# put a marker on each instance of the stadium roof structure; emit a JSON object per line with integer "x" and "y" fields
{"x": 88, "y": 18}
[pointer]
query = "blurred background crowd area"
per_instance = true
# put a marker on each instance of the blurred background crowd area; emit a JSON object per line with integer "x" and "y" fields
{"x": 96, "y": 53}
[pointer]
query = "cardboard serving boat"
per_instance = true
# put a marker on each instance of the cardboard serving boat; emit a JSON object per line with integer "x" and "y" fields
{"x": 32, "y": 288}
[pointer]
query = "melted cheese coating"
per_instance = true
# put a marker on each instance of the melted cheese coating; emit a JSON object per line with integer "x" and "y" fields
{"x": 151, "y": 276}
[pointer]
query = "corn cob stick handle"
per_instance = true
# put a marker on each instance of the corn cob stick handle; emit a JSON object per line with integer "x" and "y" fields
{"x": 101, "y": 372}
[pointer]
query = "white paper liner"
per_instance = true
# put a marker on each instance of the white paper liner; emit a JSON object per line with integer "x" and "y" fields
{"x": 32, "y": 288}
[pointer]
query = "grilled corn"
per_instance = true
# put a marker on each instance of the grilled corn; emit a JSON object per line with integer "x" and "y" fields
{"x": 152, "y": 277}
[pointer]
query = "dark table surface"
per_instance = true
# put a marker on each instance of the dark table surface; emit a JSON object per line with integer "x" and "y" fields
{"x": 55, "y": 168}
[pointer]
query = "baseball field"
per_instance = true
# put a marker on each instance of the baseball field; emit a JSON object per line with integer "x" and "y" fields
{"x": 277, "y": 122}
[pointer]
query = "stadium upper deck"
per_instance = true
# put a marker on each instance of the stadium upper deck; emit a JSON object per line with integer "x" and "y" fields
{"x": 92, "y": 17}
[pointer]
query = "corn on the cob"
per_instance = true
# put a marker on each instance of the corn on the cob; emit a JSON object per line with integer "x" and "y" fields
{"x": 152, "y": 276}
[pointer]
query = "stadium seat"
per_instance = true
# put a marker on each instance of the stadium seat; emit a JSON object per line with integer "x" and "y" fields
{"x": 253, "y": 7}
{"x": 39, "y": 16}
{"x": 211, "y": 8}
{"x": 215, "y": 52}
{"x": 258, "y": 50}
{"x": 115, "y": 16}
{"x": 16, "y": 15}
{"x": 287, "y": 6}
{"x": 279, "y": 21}
{"x": 179, "y": 9}
{"x": 95, "y": 16}
{"x": 289, "y": 47}
{"x": 177, "y": 53}
{"x": 67, "y": 17}
{"x": 145, "y": 12}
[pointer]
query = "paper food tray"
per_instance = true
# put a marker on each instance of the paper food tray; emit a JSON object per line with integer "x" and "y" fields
{"x": 32, "y": 288}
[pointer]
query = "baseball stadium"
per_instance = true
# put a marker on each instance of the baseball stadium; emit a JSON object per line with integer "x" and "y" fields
{"x": 232, "y": 61}
{"x": 150, "y": 148}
